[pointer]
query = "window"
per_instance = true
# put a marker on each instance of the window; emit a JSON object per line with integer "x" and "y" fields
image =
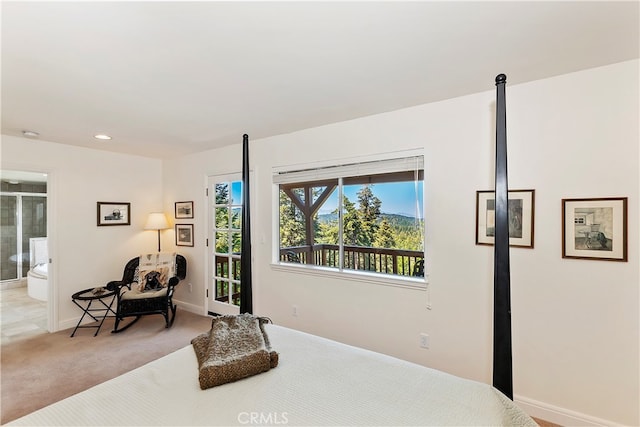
{"x": 365, "y": 216}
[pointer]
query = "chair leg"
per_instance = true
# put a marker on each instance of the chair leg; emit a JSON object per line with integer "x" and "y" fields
{"x": 115, "y": 327}
{"x": 173, "y": 313}
{"x": 166, "y": 319}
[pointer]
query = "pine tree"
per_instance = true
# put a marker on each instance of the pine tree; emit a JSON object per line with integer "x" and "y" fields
{"x": 369, "y": 212}
{"x": 222, "y": 216}
{"x": 351, "y": 224}
{"x": 384, "y": 235}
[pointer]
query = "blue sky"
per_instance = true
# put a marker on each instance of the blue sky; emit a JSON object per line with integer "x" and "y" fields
{"x": 396, "y": 197}
{"x": 236, "y": 192}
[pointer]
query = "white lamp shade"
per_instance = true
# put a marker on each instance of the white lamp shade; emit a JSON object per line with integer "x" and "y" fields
{"x": 156, "y": 221}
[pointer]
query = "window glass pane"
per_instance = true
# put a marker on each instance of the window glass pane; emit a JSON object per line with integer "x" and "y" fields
{"x": 236, "y": 218}
{"x": 222, "y": 193}
{"x": 236, "y": 193}
{"x": 383, "y": 226}
{"x": 9, "y": 257}
{"x": 292, "y": 223}
{"x": 222, "y": 218}
{"x": 222, "y": 290}
{"x": 236, "y": 239}
{"x": 236, "y": 268}
{"x": 236, "y": 294}
{"x": 222, "y": 266}
{"x": 326, "y": 227}
{"x": 222, "y": 242}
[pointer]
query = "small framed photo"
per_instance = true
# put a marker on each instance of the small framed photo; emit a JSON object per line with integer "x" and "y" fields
{"x": 184, "y": 210}
{"x": 184, "y": 234}
{"x": 521, "y": 214}
{"x": 595, "y": 229}
{"x": 114, "y": 213}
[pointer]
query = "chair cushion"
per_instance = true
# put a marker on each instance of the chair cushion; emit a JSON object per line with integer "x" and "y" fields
{"x": 134, "y": 293}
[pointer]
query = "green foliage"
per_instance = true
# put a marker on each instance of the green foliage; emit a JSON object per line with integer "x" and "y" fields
{"x": 228, "y": 221}
{"x": 384, "y": 235}
{"x": 292, "y": 222}
{"x": 364, "y": 225}
{"x": 368, "y": 215}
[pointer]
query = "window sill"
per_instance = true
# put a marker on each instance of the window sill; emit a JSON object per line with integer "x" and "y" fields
{"x": 419, "y": 284}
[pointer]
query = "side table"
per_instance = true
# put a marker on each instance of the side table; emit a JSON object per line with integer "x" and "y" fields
{"x": 85, "y": 298}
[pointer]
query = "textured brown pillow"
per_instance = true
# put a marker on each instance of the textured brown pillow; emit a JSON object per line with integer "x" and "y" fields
{"x": 236, "y": 347}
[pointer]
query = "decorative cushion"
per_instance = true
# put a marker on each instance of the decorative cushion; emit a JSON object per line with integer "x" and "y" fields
{"x": 151, "y": 277}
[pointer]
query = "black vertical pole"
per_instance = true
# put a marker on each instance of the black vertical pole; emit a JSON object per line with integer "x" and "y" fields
{"x": 502, "y": 359}
{"x": 246, "y": 298}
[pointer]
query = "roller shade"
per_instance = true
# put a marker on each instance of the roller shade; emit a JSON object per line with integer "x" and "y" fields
{"x": 386, "y": 166}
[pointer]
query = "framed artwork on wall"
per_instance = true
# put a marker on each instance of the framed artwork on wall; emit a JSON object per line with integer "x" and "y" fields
{"x": 114, "y": 213}
{"x": 184, "y": 210}
{"x": 595, "y": 228}
{"x": 521, "y": 218}
{"x": 184, "y": 234}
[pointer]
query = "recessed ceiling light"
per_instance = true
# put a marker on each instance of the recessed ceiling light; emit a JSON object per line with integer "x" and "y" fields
{"x": 30, "y": 134}
{"x": 102, "y": 136}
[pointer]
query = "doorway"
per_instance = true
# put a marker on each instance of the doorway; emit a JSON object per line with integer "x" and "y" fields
{"x": 24, "y": 260}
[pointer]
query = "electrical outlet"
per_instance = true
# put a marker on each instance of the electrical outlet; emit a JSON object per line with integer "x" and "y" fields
{"x": 424, "y": 340}
{"x": 294, "y": 310}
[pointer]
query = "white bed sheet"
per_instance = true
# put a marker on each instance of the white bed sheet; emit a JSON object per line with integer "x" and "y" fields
{"x": 317, "y": 382}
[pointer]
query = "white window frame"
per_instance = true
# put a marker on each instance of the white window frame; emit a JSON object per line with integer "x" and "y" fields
{"x": 318, "y": 170}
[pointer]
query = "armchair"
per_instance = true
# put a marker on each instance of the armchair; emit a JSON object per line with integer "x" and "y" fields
{"x": 139, "y": 296}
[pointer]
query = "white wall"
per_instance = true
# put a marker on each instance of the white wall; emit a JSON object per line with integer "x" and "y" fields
{"x": 85, "y": 255}
{"x": 575, "y": 322}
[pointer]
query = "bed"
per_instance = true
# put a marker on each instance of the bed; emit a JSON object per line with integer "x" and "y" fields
{"x": 38, "y": 275}
{"x": 317, "y": 382}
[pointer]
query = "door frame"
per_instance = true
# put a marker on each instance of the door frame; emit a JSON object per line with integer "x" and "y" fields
{"x": 52, "y": 294}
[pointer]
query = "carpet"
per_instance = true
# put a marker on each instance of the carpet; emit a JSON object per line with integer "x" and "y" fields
{"x": 38, "y": 371}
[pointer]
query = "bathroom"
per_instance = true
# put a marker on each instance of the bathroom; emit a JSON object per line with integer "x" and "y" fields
{"x": 23, "y": 231}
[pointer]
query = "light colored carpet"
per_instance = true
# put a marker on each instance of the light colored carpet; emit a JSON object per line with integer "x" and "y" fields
{"x": 41, "y": 370}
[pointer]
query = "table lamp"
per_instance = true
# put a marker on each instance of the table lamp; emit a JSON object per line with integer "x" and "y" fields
{"x": 157, "y": 221}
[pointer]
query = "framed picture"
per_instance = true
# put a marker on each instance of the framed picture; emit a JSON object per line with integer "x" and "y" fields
{"x": 114, "y": 213}
{"x": 184, "y": 210}
{"x": 184, "y": 234}
{"x": 521, "y": 213}
{"x": 595, "y": 228}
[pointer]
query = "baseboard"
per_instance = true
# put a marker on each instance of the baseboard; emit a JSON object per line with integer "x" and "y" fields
{"x": 192, "y": 308}
{"x": 66, "y": 324}
{"x": 557, "y": 415}
{"x": 71, "y": 323}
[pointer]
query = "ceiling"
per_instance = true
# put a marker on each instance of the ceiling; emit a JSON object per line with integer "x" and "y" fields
{"x": 172, "y": 78}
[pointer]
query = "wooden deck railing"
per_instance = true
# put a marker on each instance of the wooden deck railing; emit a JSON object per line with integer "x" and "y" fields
{"x": 381, "y": 260}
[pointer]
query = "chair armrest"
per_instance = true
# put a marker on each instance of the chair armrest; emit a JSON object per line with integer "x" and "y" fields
{"x": 115, "y": 285}
{"x": 173, "y": 281}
